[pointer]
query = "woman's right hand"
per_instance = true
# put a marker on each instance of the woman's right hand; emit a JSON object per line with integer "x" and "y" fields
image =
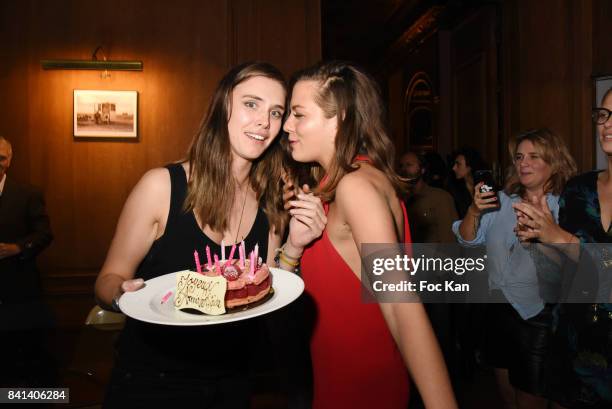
{"x": 127, "y": 286}
{"x": 134, "y": 284}
{"x": 483, "y": 201}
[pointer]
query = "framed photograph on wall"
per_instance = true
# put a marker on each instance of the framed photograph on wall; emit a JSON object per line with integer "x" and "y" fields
{"x": 601, "y": 84}
{"x": 105, "y": 114}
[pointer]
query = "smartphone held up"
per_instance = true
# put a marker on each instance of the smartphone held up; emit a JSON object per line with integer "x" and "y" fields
{"x": 488, "y": 188}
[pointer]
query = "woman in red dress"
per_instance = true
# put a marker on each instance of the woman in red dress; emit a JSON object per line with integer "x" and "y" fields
{"x": 360, "y": 351}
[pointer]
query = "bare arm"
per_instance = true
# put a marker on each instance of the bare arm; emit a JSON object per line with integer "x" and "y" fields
{"x": 137, "y": 229}
{"x": 407, "y": 322}
{"x": 469, "y": 225}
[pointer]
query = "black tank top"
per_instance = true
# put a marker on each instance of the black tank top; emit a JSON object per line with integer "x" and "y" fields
{"x": 173, "y": 251}
{"x": 162, "y": 348}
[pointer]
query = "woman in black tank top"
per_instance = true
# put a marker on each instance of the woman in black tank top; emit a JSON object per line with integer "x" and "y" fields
{"x": 228, "y": 189}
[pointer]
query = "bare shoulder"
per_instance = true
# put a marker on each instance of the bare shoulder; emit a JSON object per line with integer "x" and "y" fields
{"x": 154, "y": 181}
{"x": 368, "y": 205}
{"x": 367, "y": 181}
{"x": 151, "y": 195}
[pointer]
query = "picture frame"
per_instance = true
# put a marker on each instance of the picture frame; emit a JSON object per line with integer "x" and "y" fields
{"x": 601, "y": 83}
{"x": 105, "y": 114}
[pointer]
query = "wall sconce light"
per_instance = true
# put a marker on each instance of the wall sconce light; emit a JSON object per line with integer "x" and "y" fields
{"x": 93, "y": 64}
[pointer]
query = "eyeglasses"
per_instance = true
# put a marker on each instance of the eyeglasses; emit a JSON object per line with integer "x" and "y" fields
{"x": 601, "y": 115}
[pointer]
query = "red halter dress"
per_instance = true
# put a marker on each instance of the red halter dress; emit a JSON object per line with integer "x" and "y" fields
{"x": 356, "y": 363}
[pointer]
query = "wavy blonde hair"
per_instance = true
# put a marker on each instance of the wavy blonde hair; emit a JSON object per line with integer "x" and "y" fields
{"x": 209, "y": 191}
{"x": 351, "y": 95}
{"x": 554, "y": 152}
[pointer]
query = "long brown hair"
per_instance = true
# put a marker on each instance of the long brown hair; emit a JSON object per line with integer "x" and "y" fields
{"x": 554, "y": 152}
{"x": 350, "y": 94}
{"x": 210, "y": 187}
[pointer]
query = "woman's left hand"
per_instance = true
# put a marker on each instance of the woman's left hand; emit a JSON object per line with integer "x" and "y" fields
{"x": 308, "y": 220}
{"x": 535, "y": 221}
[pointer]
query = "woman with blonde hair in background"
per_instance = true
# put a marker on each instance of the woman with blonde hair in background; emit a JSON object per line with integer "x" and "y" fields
{"x": 518, "y": 329}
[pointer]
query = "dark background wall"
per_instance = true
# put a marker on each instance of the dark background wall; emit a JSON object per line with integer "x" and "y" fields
{"x": 186, "y": 46}
{"x": 547, "y": 69}
{"x": 501, "y": 66}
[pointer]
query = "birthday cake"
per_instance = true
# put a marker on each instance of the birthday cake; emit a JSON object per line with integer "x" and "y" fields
{"x": 242, "y": 287}
{"x": 223, "y": 284}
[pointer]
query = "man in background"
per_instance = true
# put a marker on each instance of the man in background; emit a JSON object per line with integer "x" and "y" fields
{"x": 24, "y": 233}
{"x": 431, "y": 210}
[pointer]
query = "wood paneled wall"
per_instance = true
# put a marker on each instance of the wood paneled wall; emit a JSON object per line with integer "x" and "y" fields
{"x": 509, "y": 66}
{"x": 186, "y": 46}
{"x": 474, "y": 84}
{"x": 548, "y": 47}
{"x": 602, "y": 35}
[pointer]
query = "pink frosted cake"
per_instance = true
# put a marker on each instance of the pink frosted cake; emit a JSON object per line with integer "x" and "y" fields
{"x": 242, "y": 287}
{"x": 220, "y": 285}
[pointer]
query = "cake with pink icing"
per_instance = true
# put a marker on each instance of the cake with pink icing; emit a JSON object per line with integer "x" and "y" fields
{"x": 244, "y": 281}
{"x": 242, "y": 287}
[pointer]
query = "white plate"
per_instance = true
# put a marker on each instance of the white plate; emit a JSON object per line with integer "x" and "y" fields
{"x": 145, "y": 304}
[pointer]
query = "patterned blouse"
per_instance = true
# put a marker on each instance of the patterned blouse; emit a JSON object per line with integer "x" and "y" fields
{"x": 579, "y": 210}
{"x": 590, "y": 344}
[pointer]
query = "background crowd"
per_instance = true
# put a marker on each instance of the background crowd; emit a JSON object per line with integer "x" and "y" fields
{"x": 545, "y": 353}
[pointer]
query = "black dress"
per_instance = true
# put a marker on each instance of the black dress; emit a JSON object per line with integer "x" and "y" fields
{"x": 581, "y": 376}
{"x": 206, "y": 366}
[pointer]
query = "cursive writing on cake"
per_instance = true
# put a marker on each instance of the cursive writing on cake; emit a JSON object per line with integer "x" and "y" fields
{"x": 201, "y": 292}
